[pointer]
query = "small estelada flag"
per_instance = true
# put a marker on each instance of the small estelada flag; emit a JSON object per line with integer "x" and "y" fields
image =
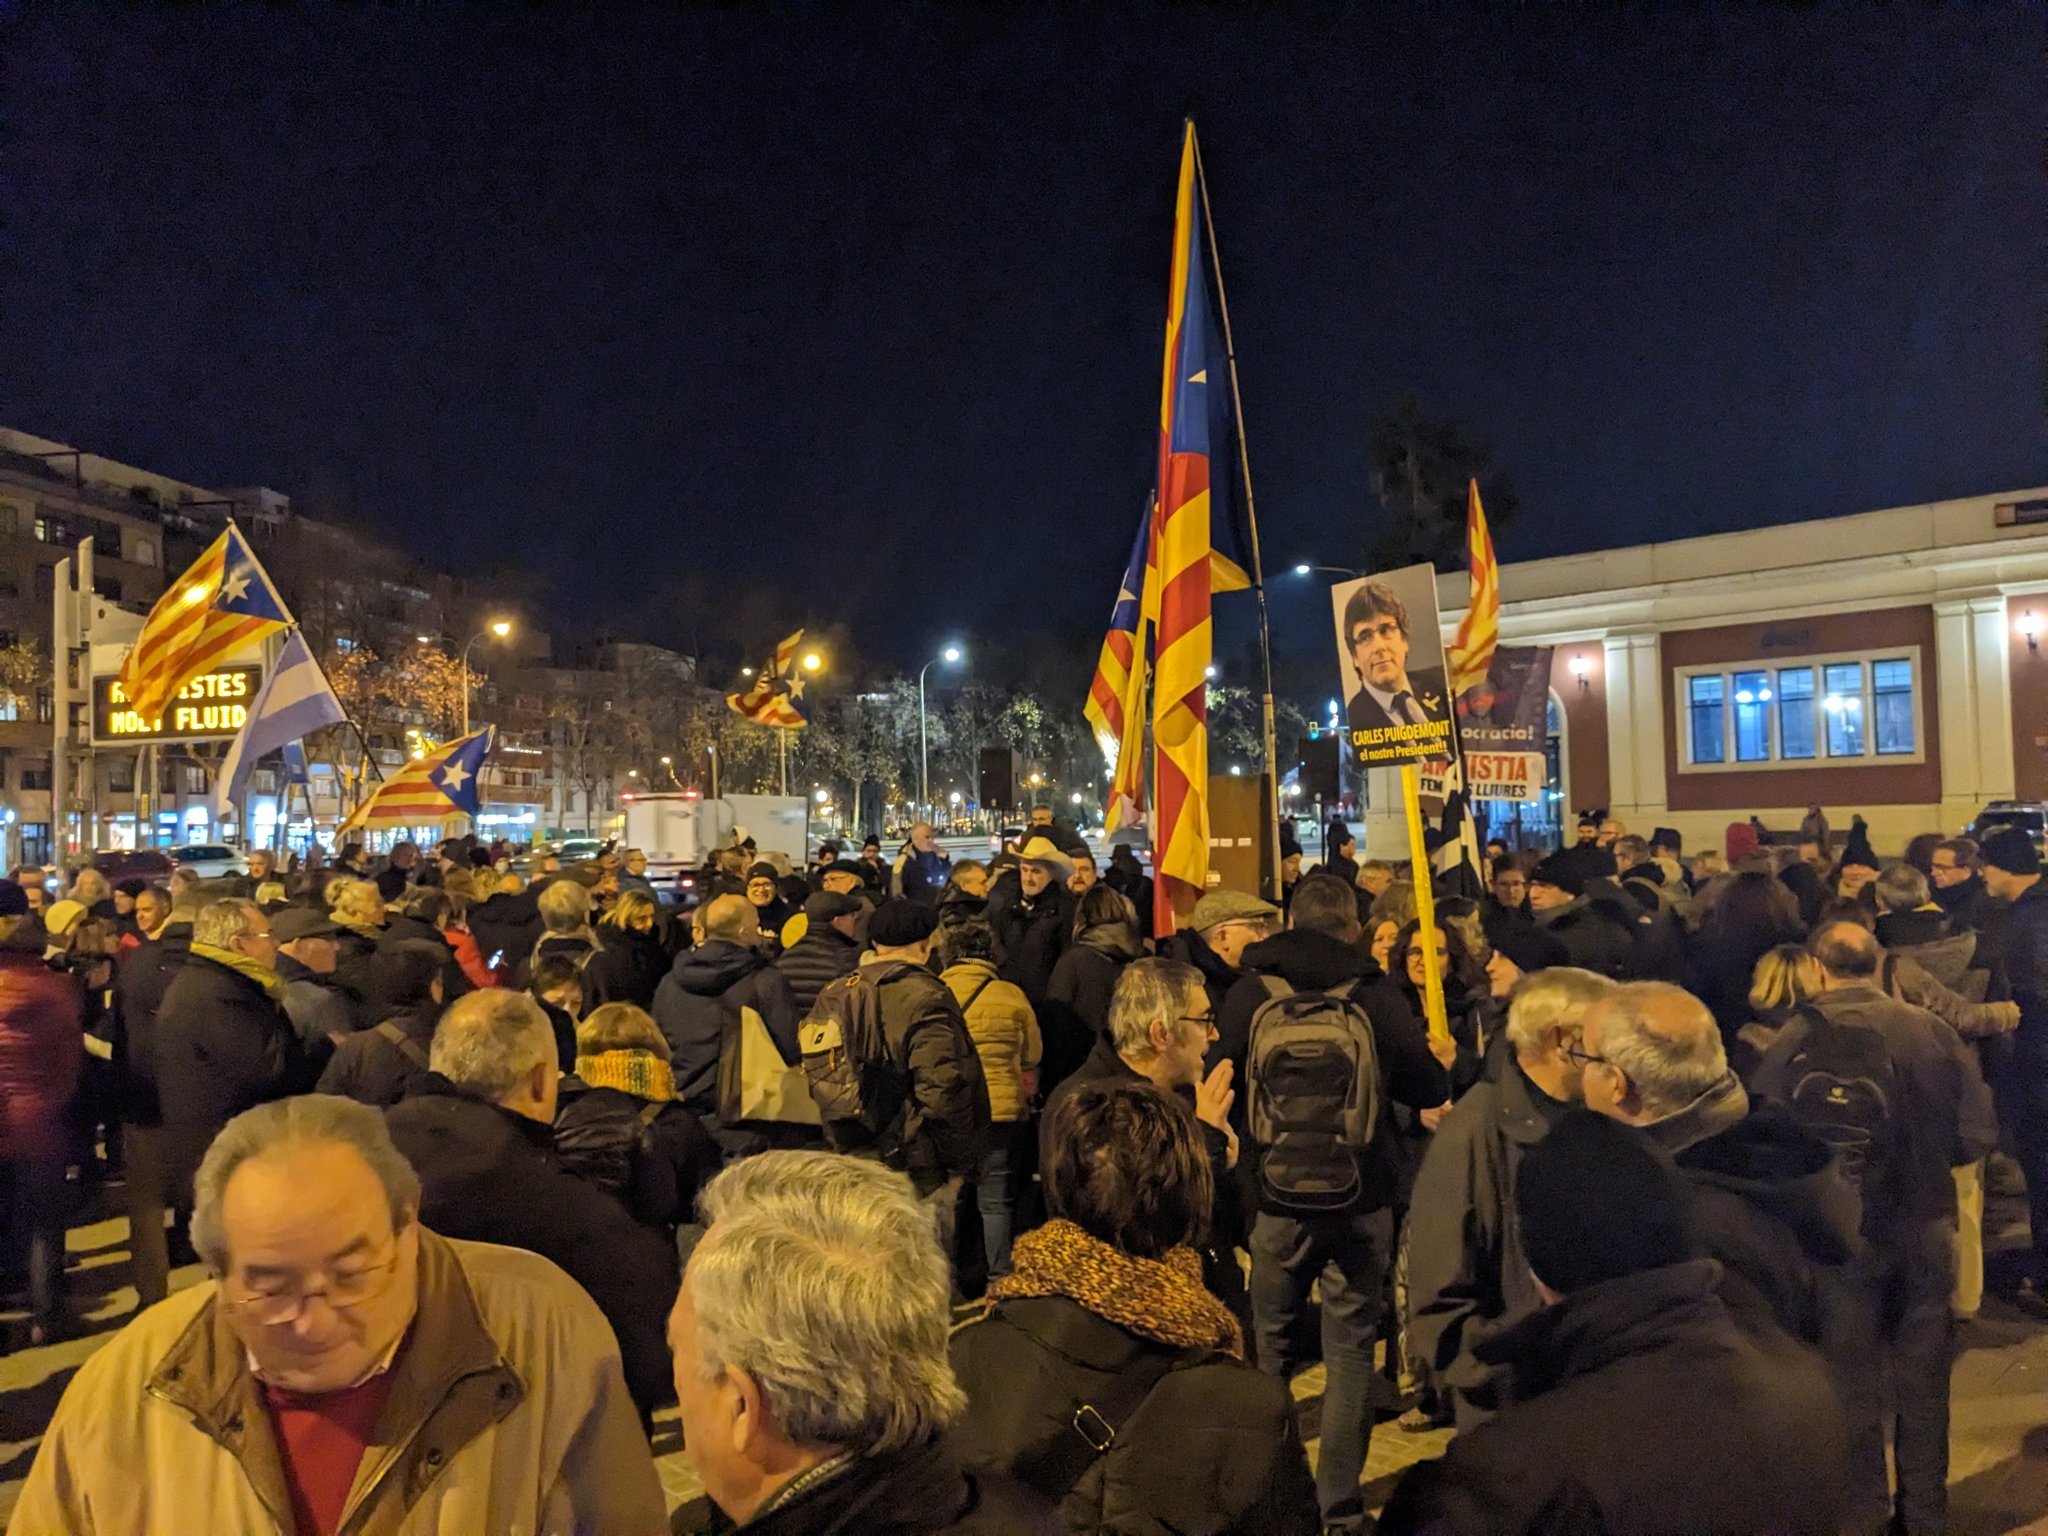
{"x": 776, "y": 697}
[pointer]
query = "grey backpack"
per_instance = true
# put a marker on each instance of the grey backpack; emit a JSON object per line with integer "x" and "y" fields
{"x": 1312, "y": 1083}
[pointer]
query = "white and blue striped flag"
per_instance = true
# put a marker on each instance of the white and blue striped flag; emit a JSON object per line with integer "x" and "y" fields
{"x": 293, "y": 702}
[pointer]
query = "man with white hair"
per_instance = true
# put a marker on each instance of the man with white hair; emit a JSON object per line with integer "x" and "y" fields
{"x": 809, "y": 1338}
{"x": 1769, "y": 1196}
{"x": 1468, "y": 1278}
{"x": 480, "y": 1131}
{"x": 344, "y": 1369}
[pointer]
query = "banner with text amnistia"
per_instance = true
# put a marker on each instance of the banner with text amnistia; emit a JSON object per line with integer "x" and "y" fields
{"x": 1391, "y": 654}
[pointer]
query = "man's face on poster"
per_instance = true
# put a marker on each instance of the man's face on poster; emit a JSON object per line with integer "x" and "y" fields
{"x": 1379, "y": 650}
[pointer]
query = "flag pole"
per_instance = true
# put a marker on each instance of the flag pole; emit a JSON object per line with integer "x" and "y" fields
{"x": 1251, "y": 517}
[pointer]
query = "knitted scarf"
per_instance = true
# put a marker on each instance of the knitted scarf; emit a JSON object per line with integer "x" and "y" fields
{"x": 640, "y": 1073}
{"x": 1159, "y": 1299}
{"x": 242, "y": 965}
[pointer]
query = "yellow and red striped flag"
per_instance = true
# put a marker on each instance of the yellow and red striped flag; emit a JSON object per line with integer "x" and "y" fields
{"x": 222, "y": 604}
{"x": 1122, "y": 650}
{"x": 1479, "y": 631}
{"x": 777, "y": 694}
{"x": 1182, "y": 550}
{"x": 431, "y": 789}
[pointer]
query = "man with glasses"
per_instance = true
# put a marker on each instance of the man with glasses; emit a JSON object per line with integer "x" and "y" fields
{"x": 1468, "y": 1277}
{"x": 345, "y": 1368}
{"x": 224, "y": 1042}
{"x": 1959, "y": 888}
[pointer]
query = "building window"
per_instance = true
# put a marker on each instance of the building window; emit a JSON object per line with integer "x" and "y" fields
{"x": 1891, "y": 691}
{"x": 10, "y": 520}
{"x": 46, "y": 707}
{"x": 10, "y": 706}
{"x": 35, "y": 842}
{"x": 1796, "y": 707}
{"x": 1844, "y": 710}
{"x": 35, "y": 778}
{"x": 121, "y": 776}
{"x": 1708, "y": 718}
{"x": 108, "y": 587}
{"x": 145, "y": 553}
{"x": 10, "y": 584}
{"x": 46, "y": 581}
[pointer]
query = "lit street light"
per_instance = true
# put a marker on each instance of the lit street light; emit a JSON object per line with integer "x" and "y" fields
{"x": 497, "y": 629}
{"x": 1305, "y": 569}
{"x": 952, "y": 656}
{"x": 813, "y": 661}
{"x": 670, "y": 764}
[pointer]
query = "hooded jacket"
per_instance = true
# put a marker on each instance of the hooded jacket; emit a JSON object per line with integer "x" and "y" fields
{"x": 700, "y": 1000}
{"x": 1641, "y": 1407}
{"x": 1409, "y": 1074}
{"x": 491, "y": 1176}
{"x": 1074, "y": 1012}
{"x": 506, "y": 1413}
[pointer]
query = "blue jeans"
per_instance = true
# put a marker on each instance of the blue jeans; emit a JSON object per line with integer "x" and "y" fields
{"x": 995, "y": 1191}
{"x": 1349, "y": 1255}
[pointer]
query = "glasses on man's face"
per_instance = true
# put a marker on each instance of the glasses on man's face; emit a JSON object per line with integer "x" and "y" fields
{"x": 1384, "y": 632}
{"x": 274, "y": 1306}
{"x": 1206, "y": 1020}
{"x": 1581, "y": 1059}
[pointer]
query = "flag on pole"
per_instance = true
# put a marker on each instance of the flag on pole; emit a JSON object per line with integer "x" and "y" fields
{"x": 1471, "y": 651}
{"x": 1182, "y": 551}
{"x": 777, "y": 695}
{"x": 293, "y": 702}
{"x": 1120, "y": 648}
{"x": 435, "y": 787}
{"x": 222, "y": 604}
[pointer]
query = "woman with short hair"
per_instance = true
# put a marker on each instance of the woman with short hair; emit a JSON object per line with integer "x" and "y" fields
{"x": 1100, "y": 1372}
{"x": 630, "y": 958}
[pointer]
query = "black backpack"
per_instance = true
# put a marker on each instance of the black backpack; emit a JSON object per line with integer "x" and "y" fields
{"x": 1839, "y": 1082}
{"x": 1312, "y": 1085}
{"x": 860, "y": 1086}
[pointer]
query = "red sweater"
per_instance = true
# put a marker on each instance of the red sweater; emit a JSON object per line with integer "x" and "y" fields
{"x": 321, "y": 1440}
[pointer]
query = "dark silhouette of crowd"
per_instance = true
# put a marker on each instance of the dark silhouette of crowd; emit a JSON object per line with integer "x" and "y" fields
{"x": 938, "y": 1196}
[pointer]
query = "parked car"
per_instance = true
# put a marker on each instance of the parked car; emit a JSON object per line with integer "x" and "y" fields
{"x": 2030, "y": 816}
{"x": 151, "y": 864}
{"x": 209, "y": 861}
{"x": 577, "y": 849}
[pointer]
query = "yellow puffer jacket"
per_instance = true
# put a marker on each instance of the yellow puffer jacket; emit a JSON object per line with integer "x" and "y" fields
{"x": 1005, "y": 1032}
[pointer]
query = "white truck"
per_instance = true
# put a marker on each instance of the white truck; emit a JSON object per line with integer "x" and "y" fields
{"x": 678, "y": 830}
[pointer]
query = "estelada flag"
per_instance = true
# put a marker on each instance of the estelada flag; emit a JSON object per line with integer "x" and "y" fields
{"x": 222, "y": 603}
{"x": 1479, "y": 630}
{"x": 776, "y": 697}
{"x": 439, "y": 784}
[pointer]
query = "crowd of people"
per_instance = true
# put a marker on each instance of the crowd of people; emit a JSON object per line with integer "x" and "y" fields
{"x": 938, "y": 1196}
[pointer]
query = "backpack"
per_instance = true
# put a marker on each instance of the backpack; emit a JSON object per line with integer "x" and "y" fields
{"x": 1312, "y": 1080}
{"x": 860, "y": 1087}
{"x": 1839, "y": 1082}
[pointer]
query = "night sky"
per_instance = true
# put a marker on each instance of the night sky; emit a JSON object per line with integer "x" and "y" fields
{"x": 729, "y": 319}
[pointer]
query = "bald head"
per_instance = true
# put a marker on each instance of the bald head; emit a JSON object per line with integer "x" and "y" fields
{"x": 1656, "y": 1049}
{"x": 732, "y": 918}
{"x": 1847, "y": 951}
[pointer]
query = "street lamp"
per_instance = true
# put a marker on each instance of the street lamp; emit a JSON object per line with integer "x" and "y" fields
{"x": 952, "y": 655}
{"x": 670, "y": 764}
{"x": 1306, "y": 569}
{"x": 497, "y": 629}
{"x": 813, "y": 661}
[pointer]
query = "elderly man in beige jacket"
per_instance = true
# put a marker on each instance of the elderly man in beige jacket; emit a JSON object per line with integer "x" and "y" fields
{"x": 347, "y": 1370}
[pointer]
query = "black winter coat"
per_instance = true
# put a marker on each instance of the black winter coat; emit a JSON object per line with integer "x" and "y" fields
{"x": 1030, "y": 936}
{"x": 1190, "y": 948}
{"x": 1213, "y": 1447}
{"x": 141, "y": 977}
{"x": 1595, "y": 1442}
{"x": 700, "y": 1000}
{"x": 656, "y": 1168}
{"x": 222, "y": 1047}
{"x": 1594, "y": 938}
{"x": 491, "y": 1176}
{"x": 920, "y": 1491}
{"x": 507, "y": 925}
{"x": 1409, "y": 1074}
{"x": 822, "y": 955}
{"x": 627, "y": 968}
{"x": 372, "y": 1070}
{"x": 1075, "y": 1013}
{"x": 945, "y": 1118}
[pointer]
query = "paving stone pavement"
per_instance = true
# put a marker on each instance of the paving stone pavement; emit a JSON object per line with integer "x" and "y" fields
{"x": 1998, "y": 1474}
